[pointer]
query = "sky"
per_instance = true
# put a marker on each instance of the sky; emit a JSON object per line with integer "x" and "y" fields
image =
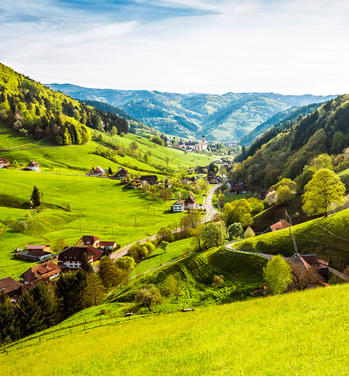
{"x": 285, "y": 46}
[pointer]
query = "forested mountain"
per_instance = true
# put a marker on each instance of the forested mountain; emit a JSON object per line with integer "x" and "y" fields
{"x": 31, "y": 108}
{"x": 226, "y": 117}
{"x": 280, "y": 120}
{"x": 287, "y": 152}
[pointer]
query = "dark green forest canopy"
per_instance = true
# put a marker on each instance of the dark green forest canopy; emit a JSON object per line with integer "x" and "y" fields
{"x": 285, "y": 152}
{"x": 31, "y": 108}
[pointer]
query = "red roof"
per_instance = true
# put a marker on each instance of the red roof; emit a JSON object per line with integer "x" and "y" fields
{"x": 41, "y": 271}
{"x": 89, "y": 239}
{"x": 8, "y": 285}
{"x": 33, "y": 164}
{"x": 3, "y": 161}
{"x": 36, "y": 246}
{"x": 103, "y": 244}
{"x": 280, "y": 225}
{"x": 75, "y": 253}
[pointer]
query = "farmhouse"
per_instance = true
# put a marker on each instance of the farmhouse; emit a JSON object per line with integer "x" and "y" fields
{"x": 11, "y": 287}
{"x": 150, "y": 179}
{"x": 35, "y": 253}
{"x": 71, "y": 257}
{"x": 44, "y": 272}
{"x": 178, "y": 206}
{"x": 3, "y": 163}
{"x": 107, "y": 246}
{"x": 238, "y": 188}
{"x": 89, "y": 240}
{"x": 121, "y": 174}
{"x": 190, "y": 203}
{"x": 311, "y": 262}
{"x": 33, "y": 166}
{"x": 279, "y": 226}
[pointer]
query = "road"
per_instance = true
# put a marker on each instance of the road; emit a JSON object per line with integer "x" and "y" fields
{"x": 230, "y": 246}
{"x": 210, "y": 213}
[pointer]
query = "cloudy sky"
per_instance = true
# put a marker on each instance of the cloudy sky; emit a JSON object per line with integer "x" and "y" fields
{"x": 287, "y": 46}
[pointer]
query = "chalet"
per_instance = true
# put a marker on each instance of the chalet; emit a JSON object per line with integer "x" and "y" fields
{"x": 311, "y": 262}
{"x": 121, "y": 174}
{"x": 11, "y": 287}
{"x": 89, "y": 240}
{"x": 178, "y": 206}
{"x": 35, "y": 253}
{"x": 150, "y": 179}
{"x": 238, "y": 188}
{"x": 42, "y": 272}
{"x": 71, "y": 257}
{"x": 98, "y": 171}
{"x": 33, "y": 166}
{"x": 278, "y": 226}
{"x": 3, "y": 163}
{"x": 190, "y": 203}
{"x": 107, "y": 246}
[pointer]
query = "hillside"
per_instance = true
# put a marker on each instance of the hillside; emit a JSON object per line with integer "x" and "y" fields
{"x": 280, "y": 121}
{"x": 280, "y": 335}
{"x": 31, "y": 108}
{"x": 326, "y": 236}
{"x": 220, "y": 117}
{"x": 287, "y": 152}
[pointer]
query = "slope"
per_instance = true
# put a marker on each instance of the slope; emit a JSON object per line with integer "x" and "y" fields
{"x": 285, "y": 154}
{"x": 224, "y": 117}
{"x": 303, "y": 333}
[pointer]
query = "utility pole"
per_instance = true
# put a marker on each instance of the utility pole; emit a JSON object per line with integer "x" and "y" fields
{"x": 292, "y": 233}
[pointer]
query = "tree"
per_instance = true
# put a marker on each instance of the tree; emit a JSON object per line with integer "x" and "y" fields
{"x": 8, "y": 325}
{"x": 235, "y": 231}
{"x": 45, "y": 301}
{"x": 125, "y": 263}
{"x": 324, "y": 192}
{"x": 238, "y": 211}
{"x": 321, "y": 161}
{"x": 35, "y": 197}
{"x": 171, "y": 286}
{"x": 110, "y": 171}
{"x": 146, "y": 158}
{"x": 148, "y": 296}
{"x": 110, "y": 273}
{"x": 30, "y": 315}
{"x": 277, "y": 274}
{"x": 213, "y": 234}
{"x": 218, "y": 280}
{"x": 93, "y": 292}
{"x": 196, "y": 234}
{"x": 163, "y": 245}
{"x": 85, "y": 265}
{"x": 249, "y": 233}
{"x": 165, "y": 233}
{"x": 191, "y": 220}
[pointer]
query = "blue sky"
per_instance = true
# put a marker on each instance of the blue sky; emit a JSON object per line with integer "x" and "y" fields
{"x": 288, "y": 46}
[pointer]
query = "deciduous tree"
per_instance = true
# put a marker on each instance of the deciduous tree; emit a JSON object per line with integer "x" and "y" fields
{"x": 277, "y": 274}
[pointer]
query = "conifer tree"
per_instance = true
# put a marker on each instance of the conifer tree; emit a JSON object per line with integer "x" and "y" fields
{"x": 85, "y": 265}
{"x": 29, "y": 315}
{"x": 8, "y": 326}
{"x": 93, "y": 291}
{"x": 35, "y": 197}
{"x": 46, "y": 303}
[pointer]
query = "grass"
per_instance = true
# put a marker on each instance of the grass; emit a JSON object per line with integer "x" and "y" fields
{"x": 158, "y": 257}
{"x": 99, "y": 206}
{"x": 257, "y": 337}
{"x": 242, "y": 274}
{"x": 325, "y": 236}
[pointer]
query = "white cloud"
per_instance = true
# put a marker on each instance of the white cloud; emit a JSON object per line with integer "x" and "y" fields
{"x": 285, "y": 46}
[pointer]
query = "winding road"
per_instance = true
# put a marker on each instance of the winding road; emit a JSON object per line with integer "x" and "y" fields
{"x": 210, "y": 213}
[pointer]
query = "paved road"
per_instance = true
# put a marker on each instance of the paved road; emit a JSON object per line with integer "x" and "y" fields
{"x": 230, "y": 246}
{"x": 210, "y": 213}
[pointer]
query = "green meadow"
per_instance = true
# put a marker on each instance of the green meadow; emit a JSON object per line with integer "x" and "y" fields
{"x": 280, "y": 335}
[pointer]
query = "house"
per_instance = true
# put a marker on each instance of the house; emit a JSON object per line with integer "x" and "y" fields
{"x": 108, "y": 246}
{"x": 178, "y": 206}
{"x": 279, "y": 226}
{"x": 121, "y": 174}
{"x": 238, "y": 188}
{"x": 89, "y": 240}
{"x": 202, "y": 144}
{"x": 3, "y": 163}
{"x": 150, "y": 179}
{"x": 135, "y": 184}
{"x": 35, "y": 253}
{"x": 71, "y": 257}
{"x": 33, "y": 166}
{"x": 42, "y": 272}
{"x": 311, "y": 262}
{"x": 11, "y": 287}
{"x": 98, "y": 171}
{"x": 190, "y": 203}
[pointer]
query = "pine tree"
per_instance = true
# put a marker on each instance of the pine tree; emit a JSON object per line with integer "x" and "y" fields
{"x": 93, "y": 292}
{"x": 85, "y": 265}
{"x": 110, "y": 171}
{"x": 8, "y": 325}
{"x": 30, "y": 315}
{"x": 46, "y": 303}
{"x": 35, "y": 197}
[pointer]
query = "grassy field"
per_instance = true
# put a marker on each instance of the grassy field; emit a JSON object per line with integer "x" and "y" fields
{"x": 158, "y": 257}
{"x": 325, "y": 236}
{"x": 242, "y": 273}
{"x": 98, "y": 206}
{"x": 303, "y": 334}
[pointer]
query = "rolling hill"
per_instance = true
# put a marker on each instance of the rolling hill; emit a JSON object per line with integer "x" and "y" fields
{"x": 284, "y": 152}
{"x": 220, "y": 117}
{"x": 280, "y": 335}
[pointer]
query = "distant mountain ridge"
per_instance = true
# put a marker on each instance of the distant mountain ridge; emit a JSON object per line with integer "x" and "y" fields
{"x": 226, "y": 117}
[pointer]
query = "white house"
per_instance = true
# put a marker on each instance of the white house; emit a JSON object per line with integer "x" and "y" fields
{"x": 33, "y": 166}
{"x": 178, "y": 206}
